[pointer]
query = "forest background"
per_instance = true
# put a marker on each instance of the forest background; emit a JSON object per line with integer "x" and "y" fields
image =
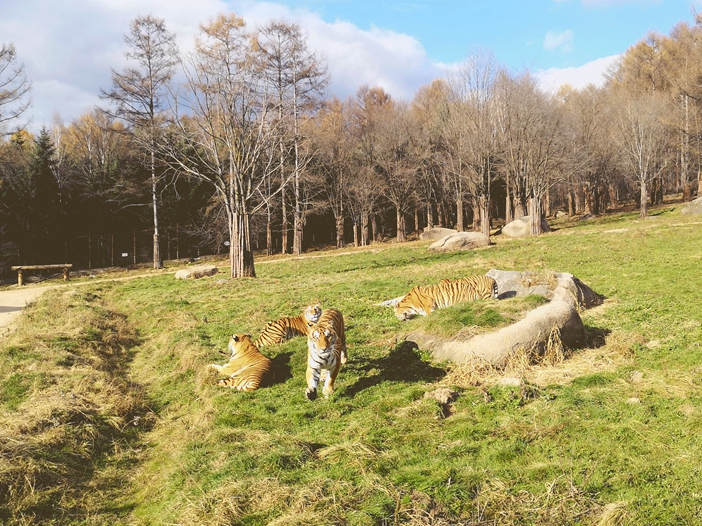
{"x": 246, "y": 152}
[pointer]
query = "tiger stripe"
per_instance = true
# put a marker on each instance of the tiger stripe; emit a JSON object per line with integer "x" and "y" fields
{"x": 281, "y": 330}
{"x": 423, "y": 300}
{"x": 326, "y": 351}
{"x": 246, "y": 368}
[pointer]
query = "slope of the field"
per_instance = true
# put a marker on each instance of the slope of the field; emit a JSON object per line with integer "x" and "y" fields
{"x": 109, "y": 416}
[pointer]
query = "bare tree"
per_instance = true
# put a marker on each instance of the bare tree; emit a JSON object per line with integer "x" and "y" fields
{"x": 530, "y": 131}
{"x": 473, "y": 97}
{"x": 396, "y": 161}
{"x": 139, "y": 94}
{"x": 431, "y": 109}
{"x": 298, "y": 78}
{"x": 369, "y": 108}
{"x": 14, "y": 88}
{"x": 333, "y": 144}
{"x": 224, "y": 136}
{"x": 640, "y": 132}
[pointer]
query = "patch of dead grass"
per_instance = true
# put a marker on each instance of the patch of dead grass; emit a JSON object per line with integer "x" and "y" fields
{"x": 558, "y": 365}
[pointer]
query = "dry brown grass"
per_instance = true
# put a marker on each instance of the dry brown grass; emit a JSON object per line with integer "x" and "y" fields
{"x": 561, "y": 502}
{"x": 78, "y": 410}
{"x": 557, "y": 365}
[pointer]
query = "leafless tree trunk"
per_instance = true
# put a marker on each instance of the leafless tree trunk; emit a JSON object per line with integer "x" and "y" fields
{"x": 227, "y": 140}
{"x": 640, "y": 133}
{"x": 139, "y": 95}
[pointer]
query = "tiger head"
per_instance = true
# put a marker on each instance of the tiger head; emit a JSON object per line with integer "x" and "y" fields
{"x": 322, "y": 339}
{"x": 414, "y": 303}
{"x": 312, "y": 313}
{"x": 240, "y": 344}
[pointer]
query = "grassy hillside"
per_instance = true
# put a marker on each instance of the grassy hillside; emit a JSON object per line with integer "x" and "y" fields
{"x": 109, "y": 416}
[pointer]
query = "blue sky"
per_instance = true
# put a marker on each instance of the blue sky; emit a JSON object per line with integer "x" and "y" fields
{"x": 69, "y": 46}
{"x": 514, "y": 30}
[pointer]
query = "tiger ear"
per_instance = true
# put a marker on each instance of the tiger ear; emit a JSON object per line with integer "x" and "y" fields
{"x": 235, "y": 337}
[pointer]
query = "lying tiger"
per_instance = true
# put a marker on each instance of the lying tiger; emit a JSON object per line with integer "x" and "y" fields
{"x": 246, "y": 367}
{"x": 423, "y": 300}
{"x": 326, "y": 351}
{"x": 283, "y": 329}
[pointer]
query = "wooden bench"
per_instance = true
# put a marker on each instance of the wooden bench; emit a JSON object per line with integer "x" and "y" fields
{"x": 21, "y": 268}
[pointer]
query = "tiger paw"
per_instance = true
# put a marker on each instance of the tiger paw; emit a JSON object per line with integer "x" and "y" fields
{"x": 311, "y": 393}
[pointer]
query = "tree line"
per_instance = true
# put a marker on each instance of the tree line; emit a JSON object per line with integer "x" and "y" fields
{"x": 236, "y": 143}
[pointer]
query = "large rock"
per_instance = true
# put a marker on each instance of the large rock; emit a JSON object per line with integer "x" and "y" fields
{"x": 460, "y": 241}
{"x": 520, "y": 227}
{"x": 560, "y": 317}
{"x": 552, "y": 285}
{"x": 198, "y": 272}
{"x": 432, "y": 234}
{"x": 693, "y": 207}
{"x": 532, "y": 334}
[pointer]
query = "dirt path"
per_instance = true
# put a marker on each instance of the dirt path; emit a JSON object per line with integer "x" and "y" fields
{"x": 13, "y": 301}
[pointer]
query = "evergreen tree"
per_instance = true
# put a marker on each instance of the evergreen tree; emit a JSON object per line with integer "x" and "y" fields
{"x": 45, "y": 203}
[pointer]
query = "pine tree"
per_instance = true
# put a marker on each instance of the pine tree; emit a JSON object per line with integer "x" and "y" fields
{"x": 45, "y": 219}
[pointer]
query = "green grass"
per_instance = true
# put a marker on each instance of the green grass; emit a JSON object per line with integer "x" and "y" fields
{"x": 610, "y": 436}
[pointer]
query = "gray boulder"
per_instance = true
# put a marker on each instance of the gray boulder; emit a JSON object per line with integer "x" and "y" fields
{"x": 460, "y": 241}
{"x": 693, "y": 207}
{"x": 551, "y": 285}
{"x": 432, "y": 234}
{"x": 198, "y": 272}
{"x": 520, "y": 227}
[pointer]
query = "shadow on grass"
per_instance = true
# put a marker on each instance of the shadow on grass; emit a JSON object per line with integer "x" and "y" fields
{"x": 595, "y": 337}
{"x": 281, "y": 369}
{"x": 402, "y": 364}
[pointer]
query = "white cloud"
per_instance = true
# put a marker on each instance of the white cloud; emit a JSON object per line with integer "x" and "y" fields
{"x": 559, "y": 40}
{"x": 590, "y": 73}
{"x": 69, "y": 48}
{"x": 378, "y": 57}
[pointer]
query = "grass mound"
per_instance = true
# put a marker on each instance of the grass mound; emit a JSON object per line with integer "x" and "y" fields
{"x": 477, "y": 317}
{"x": 69, "y": 417}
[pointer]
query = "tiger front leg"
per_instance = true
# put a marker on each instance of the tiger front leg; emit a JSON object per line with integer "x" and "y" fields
{"x": 343, "y": 355}
{"x": 312, "y": 376}
{"x": 329, "y": 381}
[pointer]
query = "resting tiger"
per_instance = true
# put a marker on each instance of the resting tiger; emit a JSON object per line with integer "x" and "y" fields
{"x": 283, "y": 329}
{"x": 424, "y": 300}
{"x": 326, "y": 350}
{"x": 247, "y": 366}
{"x": 484, "y": 285}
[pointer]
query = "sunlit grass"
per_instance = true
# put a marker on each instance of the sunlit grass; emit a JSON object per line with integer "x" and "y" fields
{"x": 111, "y": 380}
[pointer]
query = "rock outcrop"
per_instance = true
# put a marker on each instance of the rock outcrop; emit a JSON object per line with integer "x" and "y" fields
{"x": 693, "y": 207}
{"x": 460, "y": 241}
{"x": 200, "y": 271}
{"x": 535, "y": 332}
{"x": 521, "y": 228}
{"x": 432, "y": 234}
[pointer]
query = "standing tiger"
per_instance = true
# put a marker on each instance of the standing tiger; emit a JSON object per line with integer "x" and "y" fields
{"x": 246, "y": 367}
{"x": 424, "y": 300}
{"x": 283, "y": 329}
{"x": 326, "y": 350}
